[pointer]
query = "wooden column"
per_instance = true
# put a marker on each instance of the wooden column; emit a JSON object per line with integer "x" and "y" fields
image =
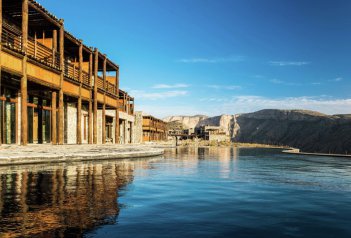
{"x": 96, "y": 62}
{"x": 79, "y": 107}
{"x": 0, "y": 63}
{"x": 24, "y": 116}
{"x": 53, "y": 118}
{"x": 103, "y": 123}
{"x": 90, "y": 120}
{"x": 60, "y": 109}
{"x": 54, "y": 46}
{"x": 104, "y": 105}
{"x": 117, "y": 132}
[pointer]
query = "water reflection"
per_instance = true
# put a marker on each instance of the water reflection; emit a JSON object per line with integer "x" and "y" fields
{"x": 62, "y": 200}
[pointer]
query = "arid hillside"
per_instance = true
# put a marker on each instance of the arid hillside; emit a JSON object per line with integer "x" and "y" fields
{"x": 307, "y": 130}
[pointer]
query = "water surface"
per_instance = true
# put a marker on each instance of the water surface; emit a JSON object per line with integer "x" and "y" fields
{"x": 205, "y": 192}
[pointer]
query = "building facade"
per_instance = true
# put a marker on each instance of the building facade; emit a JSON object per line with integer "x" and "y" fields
{"x": 53, "y": 88}
{"x": 154, "y": 129}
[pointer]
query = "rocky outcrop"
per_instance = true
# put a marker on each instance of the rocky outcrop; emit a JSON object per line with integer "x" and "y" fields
{"x": 187, "y": 121}
{"x": 307, "y": 130}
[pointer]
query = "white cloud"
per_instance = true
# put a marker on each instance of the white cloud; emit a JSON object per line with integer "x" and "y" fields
{"x": 327, "y": 105}
{"x": 288, "y": 63}
{"x": 162, "y": 111}
{"x": 338, "y": 79}
{"x": 277, "y": 81}
{"x": 227, "y": 87}
{"x": 212, "y": 60}
{"x": 139, "y": 94}
{"x": 167, "y": 86}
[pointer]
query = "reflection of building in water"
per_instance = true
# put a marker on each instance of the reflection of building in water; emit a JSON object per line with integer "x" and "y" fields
{"x": 62, "y": 201}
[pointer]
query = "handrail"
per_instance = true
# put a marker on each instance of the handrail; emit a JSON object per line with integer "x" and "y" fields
{"x": 71, "y": 71}
{"x": 11, "y": 40}
{"x": 86, "y": 78}
{"x": 100, "y": 82}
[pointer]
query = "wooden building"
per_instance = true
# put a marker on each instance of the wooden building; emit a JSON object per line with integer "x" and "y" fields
{"x": 154, "y": 129}
{"x": 54, "y": 88}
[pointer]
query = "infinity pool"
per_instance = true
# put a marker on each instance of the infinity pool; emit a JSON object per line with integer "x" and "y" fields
{"x": 192, "y": 192}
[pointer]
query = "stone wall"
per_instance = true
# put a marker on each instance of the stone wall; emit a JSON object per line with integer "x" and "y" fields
{"x": 138, "y": 128}
{"x": 71, "y": 123}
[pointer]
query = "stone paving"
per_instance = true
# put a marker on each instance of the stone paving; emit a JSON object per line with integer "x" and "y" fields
{"x": 14, "y": 154}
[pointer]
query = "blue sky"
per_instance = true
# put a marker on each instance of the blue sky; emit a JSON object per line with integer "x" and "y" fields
{"x": 185, "y": 57}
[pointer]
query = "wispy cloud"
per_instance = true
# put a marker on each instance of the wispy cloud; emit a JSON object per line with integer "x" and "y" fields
{"x": 338, "y": 79}
{"x": 324, "y": 104}
{"x": 288, "y": 63}
{"x": 168, "y": 86}
{"x": 211, "y": 60}
{"x": 225, "y": 87}
{"x": 139, "y": 94}
{"x": 278, "y": 81}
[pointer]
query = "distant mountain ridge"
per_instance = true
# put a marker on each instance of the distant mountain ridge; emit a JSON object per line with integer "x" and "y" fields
{"x": 309, "y": 131}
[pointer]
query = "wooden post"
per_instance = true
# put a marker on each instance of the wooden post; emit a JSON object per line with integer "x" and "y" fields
{"x": 0, "y": 66}
{"x": 53, "y": 118}
{"x": 79, "y": 108}
{"x": 117, "y": 127}
{"x": 24, "y": 116}
{"x": 35, "y": 45}
{"x": 117, "y": 133}
{"x": 104, "y": 105}
{"x": 90, "y": 120}
{"x": 60, "y": 110}
{"x": 96, "y": 62}
{"x": 103, "y": 123}
{"x": 54, "y": 46}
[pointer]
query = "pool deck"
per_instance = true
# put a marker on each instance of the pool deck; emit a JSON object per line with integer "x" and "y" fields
{"x": 34, "y": 154}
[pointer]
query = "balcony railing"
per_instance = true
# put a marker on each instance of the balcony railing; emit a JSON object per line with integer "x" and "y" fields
{"x": 100, "y": 83}
{"x": 11, "y": 40}
{"x": 86, "y": 78}
{"x": 111, "y": 88}
{"x": 71, "y": 71}
{"x": 42, "y": 53}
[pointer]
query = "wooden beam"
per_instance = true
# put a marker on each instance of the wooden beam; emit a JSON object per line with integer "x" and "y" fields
{"x": 96, "y": 62}
{"x": 24, "y": 116}
{"x": 53, "y": 118}
{"x": 60, "y": 110}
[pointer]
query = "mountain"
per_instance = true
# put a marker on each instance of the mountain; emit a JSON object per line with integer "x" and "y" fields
{"x": 187, "y": 121}
{"x": 307, "y": 130}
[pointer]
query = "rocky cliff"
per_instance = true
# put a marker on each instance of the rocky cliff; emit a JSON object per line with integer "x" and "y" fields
{"x": 307, "y": 130}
